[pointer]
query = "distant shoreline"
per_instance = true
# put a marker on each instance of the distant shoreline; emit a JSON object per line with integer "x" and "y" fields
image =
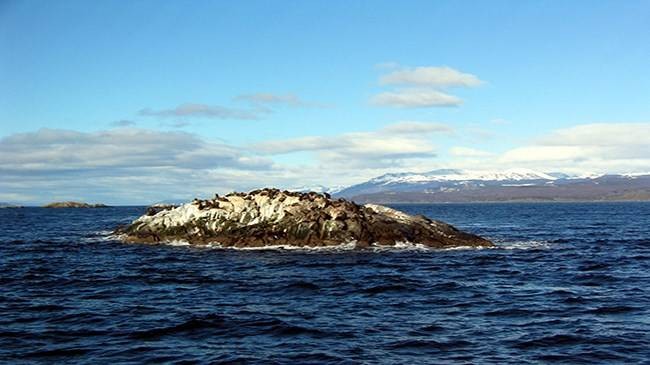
{"x": 414, "y": 203}
{"x": 515, "y": 202}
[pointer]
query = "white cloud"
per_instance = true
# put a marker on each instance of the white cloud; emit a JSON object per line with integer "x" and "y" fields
{"x": 276, "y": 99}
{"x": 545, "y": 153}
{"x": 194, "y": 110}
{"x": 581, "y": 149}
{"x": 415, "y": 98}
{"x": 121, "y": 163}
{"x": 259, "y": 105}
{"x": 438, "y": 77}
{"x": 601, "y": 134}
{"x": 64, "y": 150}
{"x": 132, "y": 165}
{"x": 421, "y": 87}
{"x": 415, "y": 127}
{"x": 391, "y": 146}
{"x": 602, "y": 147}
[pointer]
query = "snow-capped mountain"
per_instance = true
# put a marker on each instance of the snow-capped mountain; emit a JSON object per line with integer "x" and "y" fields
{"x": 318, "y": 189}
{"x": 446, "y": 179}
{"x": 461, "y": 175}
{"x": 512, "y": 184}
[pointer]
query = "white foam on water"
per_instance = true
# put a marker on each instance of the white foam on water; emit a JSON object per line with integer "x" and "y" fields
{"x": 400, "y": 246}
{"x": 177, "y": 243}
{"x": 101, "y": 236}
{"x": 348, "y": 246}
{"x": 464, "y": 248}
{"x": 524, "y": 245}
{"x": 344, "y": 247}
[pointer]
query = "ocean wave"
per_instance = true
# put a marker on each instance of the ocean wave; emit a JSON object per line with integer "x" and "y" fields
{"x": 523, "y": 245}
{"x": 544, "y": 294}
{"x": 100, "y": 236}
{"x": 500, "y": 243}
{"x": 344, "y": 247}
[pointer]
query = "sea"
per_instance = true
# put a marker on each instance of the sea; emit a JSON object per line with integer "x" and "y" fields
{"x": 567, "y": 283}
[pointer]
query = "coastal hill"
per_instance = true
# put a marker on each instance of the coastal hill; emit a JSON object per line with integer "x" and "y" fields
{"x": 71, "y": 204}
{"x": 451, "y": 185}
{"x": 270, "y": 217}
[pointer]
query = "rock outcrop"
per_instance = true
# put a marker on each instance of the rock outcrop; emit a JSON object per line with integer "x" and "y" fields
{"x": 271, "y": 217}
{"x": 156, "y": 208}
{"x": 74, "y": 205}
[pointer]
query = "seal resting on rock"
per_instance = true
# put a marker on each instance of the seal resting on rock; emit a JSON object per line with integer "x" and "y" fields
{"x": 270, "y": 217}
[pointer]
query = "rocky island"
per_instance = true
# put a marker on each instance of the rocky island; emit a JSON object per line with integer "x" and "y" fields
{"x": 74, "y": 205}
{"x": 270, "y": 217}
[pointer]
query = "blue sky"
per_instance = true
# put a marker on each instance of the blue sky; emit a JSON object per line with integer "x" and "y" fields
{"x": 125, "y": 101}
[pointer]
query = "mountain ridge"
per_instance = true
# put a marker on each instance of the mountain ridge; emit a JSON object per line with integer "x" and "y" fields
{"x": 454, "y": 185}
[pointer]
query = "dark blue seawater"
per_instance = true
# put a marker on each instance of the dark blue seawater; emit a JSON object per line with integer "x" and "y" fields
{"x": 570, "y": 283}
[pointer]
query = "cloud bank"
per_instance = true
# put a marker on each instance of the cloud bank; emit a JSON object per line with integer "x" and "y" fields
{"x": 601, "y": 147}
{"x": 53, "y": 164}
{"x": 583, "y": 149}
{"x": 391, "y": 146}
{"x": 138, "y": 166}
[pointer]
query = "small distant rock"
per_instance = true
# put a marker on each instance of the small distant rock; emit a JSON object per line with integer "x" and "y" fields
{"x": 9, "y": 205}
{"x": 74, "y": 205}
{"x": 270, "y": 217}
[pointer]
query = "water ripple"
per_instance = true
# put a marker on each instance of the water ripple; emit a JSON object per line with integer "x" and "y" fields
{"x": 567, "y": 283}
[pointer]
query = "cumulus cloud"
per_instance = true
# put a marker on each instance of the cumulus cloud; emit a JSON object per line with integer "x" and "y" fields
{"x": 602, "y": 134}
{"x": 438, "y": 77}
{"x": 391, "y": 146}
{"x": 415, "y": 98}
{"x": 122, "y": 161}
{"x": 602, "y": 147}
{"x": 139, "y": 166}
{"x": 422, "y": 87}
{"x": 133, "y": 165}
{"x": 545, "y": 154}
{"x": 193, "y": 110}
{"x": 64, "y": 150}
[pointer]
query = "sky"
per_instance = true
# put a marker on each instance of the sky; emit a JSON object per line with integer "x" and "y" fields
{"x": 140, "y": 101}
